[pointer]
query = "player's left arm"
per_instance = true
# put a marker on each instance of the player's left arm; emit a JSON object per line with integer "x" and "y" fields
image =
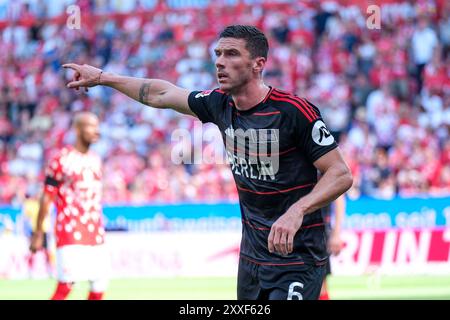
{"x": 336, "y": 180}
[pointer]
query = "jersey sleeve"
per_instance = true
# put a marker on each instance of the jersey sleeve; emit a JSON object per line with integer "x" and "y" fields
{"x": 314, "y": 137}
{"x": 53, "y": 175}
{"x": 207, "y": 105}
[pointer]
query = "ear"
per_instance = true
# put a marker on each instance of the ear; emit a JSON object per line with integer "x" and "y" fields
{"x": 259, "y": 64}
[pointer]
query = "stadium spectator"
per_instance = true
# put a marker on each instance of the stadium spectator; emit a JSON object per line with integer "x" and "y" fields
{"x": 424, "y": 41}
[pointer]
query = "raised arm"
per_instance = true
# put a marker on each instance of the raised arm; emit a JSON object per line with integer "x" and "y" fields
{"x": 152, "y": 92}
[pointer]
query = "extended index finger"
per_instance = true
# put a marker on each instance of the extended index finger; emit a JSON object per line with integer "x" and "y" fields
{"x": 73, "y": 66}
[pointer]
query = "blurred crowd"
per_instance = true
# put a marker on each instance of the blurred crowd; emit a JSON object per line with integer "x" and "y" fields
{"x": 384, "y": 93}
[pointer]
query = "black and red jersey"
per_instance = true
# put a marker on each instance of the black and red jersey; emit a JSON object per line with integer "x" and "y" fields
{"x": 271, "y": 149}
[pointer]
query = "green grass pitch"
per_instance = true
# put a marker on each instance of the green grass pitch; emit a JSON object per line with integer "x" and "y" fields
{"x": 341, "y": 287}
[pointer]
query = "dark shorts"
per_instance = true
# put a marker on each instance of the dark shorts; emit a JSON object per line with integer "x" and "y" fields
{"x": 275, "y": 282}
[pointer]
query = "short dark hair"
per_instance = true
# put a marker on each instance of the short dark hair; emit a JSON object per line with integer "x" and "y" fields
{"x": 256, "y": 41}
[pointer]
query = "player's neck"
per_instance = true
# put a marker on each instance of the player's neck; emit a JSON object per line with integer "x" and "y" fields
{"x": 250, "y": 95}
{"x": 81, "y": 147}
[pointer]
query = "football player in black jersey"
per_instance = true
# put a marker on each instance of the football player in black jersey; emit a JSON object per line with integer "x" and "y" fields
{"x": 276, "y": 143}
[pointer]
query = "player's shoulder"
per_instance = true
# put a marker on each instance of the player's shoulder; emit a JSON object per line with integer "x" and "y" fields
{"x": 55, "y": 161}
{"x": 95, "y": 156}
{"x": 59, "y": 156}
{"x": 65, "y": 150}
{"x": 215, "y": 100}
{"x": 56, "y": 154}
{"x": 294, "y": 105}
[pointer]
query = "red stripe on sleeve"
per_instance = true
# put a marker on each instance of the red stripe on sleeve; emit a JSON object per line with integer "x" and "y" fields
{"x": 295, "y": 104}
{"x": 301, "y": 101}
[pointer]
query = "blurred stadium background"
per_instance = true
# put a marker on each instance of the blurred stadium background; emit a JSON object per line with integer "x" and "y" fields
{"x": 174, "y": 230}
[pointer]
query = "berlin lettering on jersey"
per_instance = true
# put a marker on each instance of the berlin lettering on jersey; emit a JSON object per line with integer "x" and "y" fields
{"x": 253, "y": 153}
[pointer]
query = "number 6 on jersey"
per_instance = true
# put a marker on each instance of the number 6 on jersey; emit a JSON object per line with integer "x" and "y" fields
{"x": 293, "y": 293}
